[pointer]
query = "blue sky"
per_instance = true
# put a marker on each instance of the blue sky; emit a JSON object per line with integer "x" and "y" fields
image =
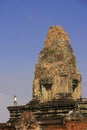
{"x": 23, "y": 28}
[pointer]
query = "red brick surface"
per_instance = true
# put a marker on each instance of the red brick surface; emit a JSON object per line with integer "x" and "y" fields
{"x": 72, "y": 125}
{"x": 76, "y": 125}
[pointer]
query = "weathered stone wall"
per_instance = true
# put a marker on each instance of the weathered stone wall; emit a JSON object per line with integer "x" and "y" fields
{"x": 72, "y": 125}
{"x": 56, "y": 71}
{"x": 6, "y": 126}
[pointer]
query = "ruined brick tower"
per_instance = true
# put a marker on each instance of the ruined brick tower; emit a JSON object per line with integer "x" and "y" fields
{"x": 56, "y": 103}
{"x": 56, "y": 72}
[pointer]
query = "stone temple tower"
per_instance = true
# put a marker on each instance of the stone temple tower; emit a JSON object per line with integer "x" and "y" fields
{"x": 56, "y": 72}
{"x": 56, "y": 89}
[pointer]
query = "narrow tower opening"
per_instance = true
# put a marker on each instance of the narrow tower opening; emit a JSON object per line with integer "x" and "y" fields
{"x": 75, "y": 83}
{"x": 46, "y": 89}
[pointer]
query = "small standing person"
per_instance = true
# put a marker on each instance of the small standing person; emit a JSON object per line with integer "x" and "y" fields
{"x": 15, "y": 100}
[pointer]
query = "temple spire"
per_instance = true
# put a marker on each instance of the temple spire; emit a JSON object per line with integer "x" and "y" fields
{"x": 56, "y": 72}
